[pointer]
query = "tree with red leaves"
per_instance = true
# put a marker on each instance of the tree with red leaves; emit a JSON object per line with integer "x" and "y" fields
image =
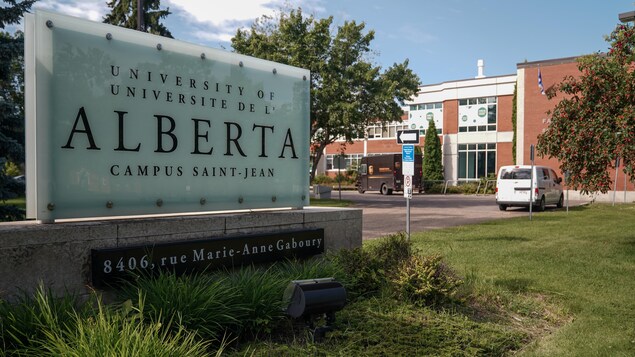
{"x": 595, "y": 121}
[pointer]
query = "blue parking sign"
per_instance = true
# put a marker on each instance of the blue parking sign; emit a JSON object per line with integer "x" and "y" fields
{"x": 408, "y": 153}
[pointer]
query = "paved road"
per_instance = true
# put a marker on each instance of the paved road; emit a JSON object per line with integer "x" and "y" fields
{"x": 383, "y": 215}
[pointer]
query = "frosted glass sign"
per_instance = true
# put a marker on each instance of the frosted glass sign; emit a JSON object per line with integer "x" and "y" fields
{"x": 123, "y": 123}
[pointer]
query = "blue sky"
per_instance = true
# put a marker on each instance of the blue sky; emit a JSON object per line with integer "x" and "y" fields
{"x": 443, "y": 39}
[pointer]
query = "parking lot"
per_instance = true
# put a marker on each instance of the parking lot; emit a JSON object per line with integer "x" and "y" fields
{"x": 383, "y": 215}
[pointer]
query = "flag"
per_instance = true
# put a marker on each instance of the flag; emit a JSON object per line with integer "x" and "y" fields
{"x": 542, "y": 88}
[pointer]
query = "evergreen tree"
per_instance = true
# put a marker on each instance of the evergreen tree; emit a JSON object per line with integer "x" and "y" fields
{"x": 432, "y": 155}
{"x": 11, "y": 104}
{"x": 124, "y": 14}
{"x": 348, "y": 92}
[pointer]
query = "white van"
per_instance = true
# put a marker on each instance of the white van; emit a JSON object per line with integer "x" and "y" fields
{"x": 513, "y": 185}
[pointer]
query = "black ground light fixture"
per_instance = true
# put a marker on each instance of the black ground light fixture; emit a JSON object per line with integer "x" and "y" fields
{"x": 311, "y": 299}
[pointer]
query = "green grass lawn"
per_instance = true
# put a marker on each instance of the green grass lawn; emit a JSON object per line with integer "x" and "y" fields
{"x": 330, "y": 202}
{"x": 19, "y": 202}
{"x": 583, "y": 261}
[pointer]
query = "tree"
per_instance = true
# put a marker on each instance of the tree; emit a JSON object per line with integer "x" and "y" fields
{"x": 124, "y": 13}
{"x": 595, "y": 121}
{"x": 347, "y": 91}
{"x": 432, "y": 156}
{"x": 11, "y": 104}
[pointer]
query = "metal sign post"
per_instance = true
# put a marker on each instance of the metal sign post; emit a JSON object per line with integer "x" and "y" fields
{"x": 566, "y": 182}
{"x": 408, "y": 170}
{"x": 617, "y": 166}
{"x": 531, "y": 180}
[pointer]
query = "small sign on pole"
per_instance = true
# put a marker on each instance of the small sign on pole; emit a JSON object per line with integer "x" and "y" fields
{"x": 407, "y": 187}
{"x": 408, "y": 160}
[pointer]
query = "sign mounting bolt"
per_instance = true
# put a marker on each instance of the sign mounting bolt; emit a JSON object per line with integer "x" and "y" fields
{"x": 159, "y": 47}
{"x": 109, "y": 204}
{"x": 50, "y": 206}
{"x": 49, "y": 24}
{"x": 108, "y": 36}
{"x": 159, "y": 202}
{"x": 203, "y": 201}
{"x": 241, "y": 199}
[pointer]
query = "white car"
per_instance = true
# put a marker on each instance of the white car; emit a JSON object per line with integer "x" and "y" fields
{"x": 513, "y": 186}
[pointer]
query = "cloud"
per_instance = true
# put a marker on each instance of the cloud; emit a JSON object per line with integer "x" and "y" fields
{"x": 93, "y": 10}
{"x": 209, "y": 22}
{"x": 230, "y": 11}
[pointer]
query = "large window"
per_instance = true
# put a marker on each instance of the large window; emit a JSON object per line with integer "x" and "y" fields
{"x": 476, "y": 160}
{"x": 385, "y": 131}
{"x": 421, "y": 114}
{"x": 334, "y": 162}
{"x": 477, "y": 114}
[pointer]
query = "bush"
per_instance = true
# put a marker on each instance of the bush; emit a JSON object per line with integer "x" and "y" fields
{"x": 390, "y": 266}
{"x": 426, "y": 281}
{"x": 22, "y": 323}
{"x": 259, "y": 294}
{"x": 204, "y": 303}
{"x": 433, "y": 186}
{"x": 113, "y": 332}
{"x": 322, "y": 180}
{"x": 366, "y": 269}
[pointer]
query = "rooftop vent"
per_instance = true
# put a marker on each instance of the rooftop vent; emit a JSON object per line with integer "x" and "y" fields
{"x": 480, "y": 65}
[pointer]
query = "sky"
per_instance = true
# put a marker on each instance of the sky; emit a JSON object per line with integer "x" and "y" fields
{"x": 442, "y": 39}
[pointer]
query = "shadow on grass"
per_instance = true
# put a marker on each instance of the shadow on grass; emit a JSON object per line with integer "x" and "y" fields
{"x": 494, "y": 239}
{"x": 516, "y": 285}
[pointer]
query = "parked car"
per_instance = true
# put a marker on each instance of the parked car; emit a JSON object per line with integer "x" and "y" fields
{"x": 513, "y": 187}
{"x": 19, "y": 178}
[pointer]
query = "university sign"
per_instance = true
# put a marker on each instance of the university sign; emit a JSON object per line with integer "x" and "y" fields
{"x": 121, "y": 122}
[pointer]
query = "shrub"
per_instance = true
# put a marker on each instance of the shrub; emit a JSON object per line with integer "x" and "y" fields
{"x": 259, "y": 294}
{"x": 361, "y": 271}
{"x": 112, "y": 332}
{"x": 322, "y": 180}
{"x": 204, "y": 303}
{"x": 425, "y": 281}
{"x": 367, "y": 269}
{"x": 318, "y": 267}
{"x": 22, "y": 322}
{"x": 433, "y": 187}
{"x": 391, "y": 266}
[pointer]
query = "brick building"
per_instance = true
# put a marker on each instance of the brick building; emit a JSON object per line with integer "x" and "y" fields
{"x": 474, "y": 122}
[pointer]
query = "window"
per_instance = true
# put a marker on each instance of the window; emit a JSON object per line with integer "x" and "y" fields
{"x": 343, "y": 162}
{"x": 476, "y": 160}
{"x": 386, "y": 131}
{"x": 477, "y": 114}
{"x": 516, "y": 174}
{"x": 421, "y": 114}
